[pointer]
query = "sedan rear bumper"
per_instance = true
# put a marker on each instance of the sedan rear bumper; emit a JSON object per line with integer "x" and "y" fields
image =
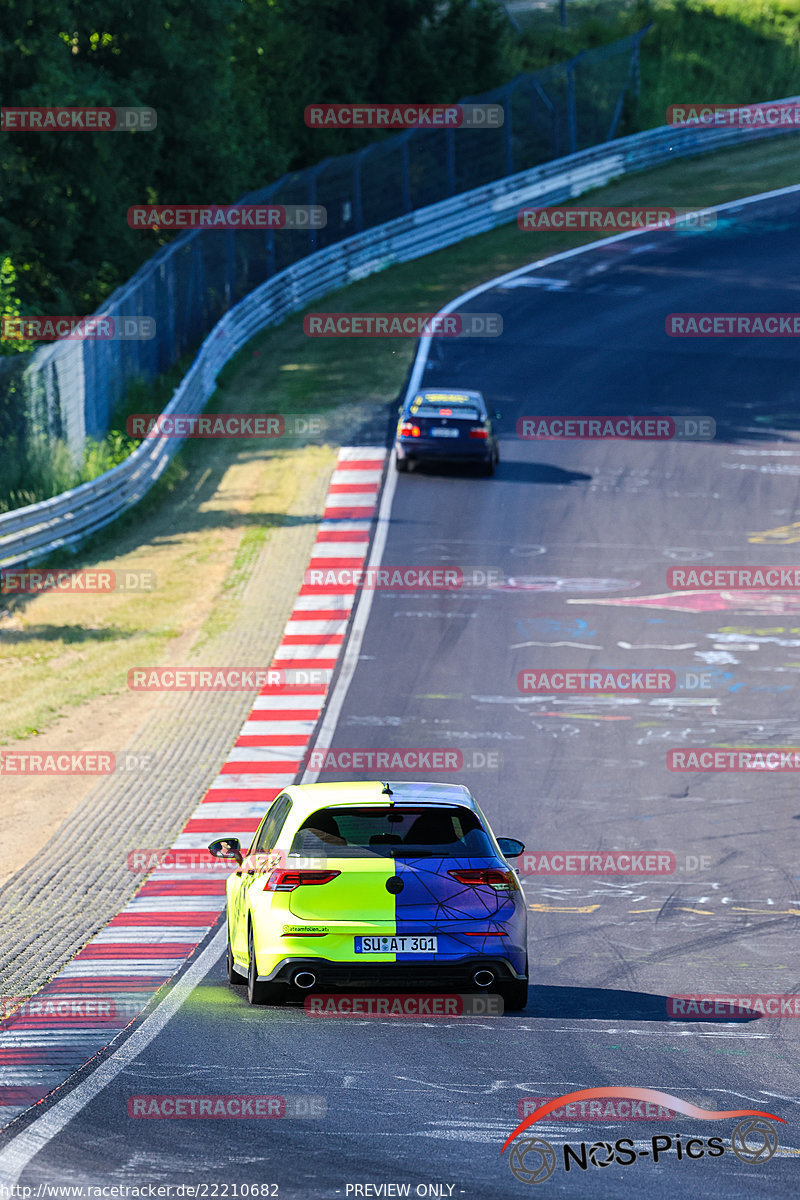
{"x": 445, "y": 973}
{"x": 428, "y": 449}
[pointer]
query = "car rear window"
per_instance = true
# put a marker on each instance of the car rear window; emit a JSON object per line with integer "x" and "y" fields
{"x": 400, "y": 831}
{"x": 447, "y": 410}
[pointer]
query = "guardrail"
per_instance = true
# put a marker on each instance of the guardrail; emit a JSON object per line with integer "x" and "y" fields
{"x": 30, "y": 534}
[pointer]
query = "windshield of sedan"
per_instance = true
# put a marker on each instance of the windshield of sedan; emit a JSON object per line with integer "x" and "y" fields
{"x": 393, "y": 832}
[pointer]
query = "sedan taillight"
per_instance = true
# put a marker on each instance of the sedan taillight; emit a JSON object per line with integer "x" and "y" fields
{"x": 409, "y": 429}
{"x": 478, "y": 431}
{"x": 505, "y": 881}
{"x": 282, "y": 880}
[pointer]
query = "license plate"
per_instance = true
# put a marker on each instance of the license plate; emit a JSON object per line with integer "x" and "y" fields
{"x": 444, "y": 432}
{"x": 397, "y": 945}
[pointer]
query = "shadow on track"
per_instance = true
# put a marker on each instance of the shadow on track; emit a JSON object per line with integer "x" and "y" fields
{"x": 598, "y": 1004}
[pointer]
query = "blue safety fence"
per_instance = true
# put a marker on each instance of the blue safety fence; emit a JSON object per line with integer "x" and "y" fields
{"x": 71, "y": 388}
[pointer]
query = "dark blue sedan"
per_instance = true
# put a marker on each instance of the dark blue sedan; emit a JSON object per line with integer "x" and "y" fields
{"x": 446, "y": 426}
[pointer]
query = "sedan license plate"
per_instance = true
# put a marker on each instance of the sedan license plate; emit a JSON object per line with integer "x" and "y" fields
{"x": 397, "y": 945}
{"x": 444, "y": 432}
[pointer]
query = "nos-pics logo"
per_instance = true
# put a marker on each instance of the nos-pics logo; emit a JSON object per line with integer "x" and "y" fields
{"x": 754, "y": 1140}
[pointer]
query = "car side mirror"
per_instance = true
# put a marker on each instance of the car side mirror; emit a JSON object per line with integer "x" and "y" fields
{"x": 510, "y": 847}
{"x": 227, "y": 848}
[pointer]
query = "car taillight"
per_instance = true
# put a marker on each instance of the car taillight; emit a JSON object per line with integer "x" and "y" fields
{"x": 286, "y": 881}
{"x": 409, "y": 429}
{"x": 482, "y": 933}
{"x": 478, "y": 431}
{"x": 487, "y": 877}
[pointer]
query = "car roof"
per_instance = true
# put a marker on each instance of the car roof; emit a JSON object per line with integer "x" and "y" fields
{"x": 308, "y": 797}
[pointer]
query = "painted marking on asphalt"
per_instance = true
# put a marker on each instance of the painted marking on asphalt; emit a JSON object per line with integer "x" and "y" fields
{"x": 656, "y": 646}
{"x": 583, "y": 716}
{"x": 783, "y": 534}
{"x": 697, "y": 601}
{"x": 564, "y": 908}
{"x": 577, "y": 645}
{"x": 772, "y": 912}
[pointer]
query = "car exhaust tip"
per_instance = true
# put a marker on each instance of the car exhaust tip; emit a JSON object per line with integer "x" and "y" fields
{"x": 483, "y": 979}
{"x": 304, "y": 980}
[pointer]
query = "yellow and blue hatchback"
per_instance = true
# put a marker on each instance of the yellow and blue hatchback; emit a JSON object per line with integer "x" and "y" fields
{"x": 375, "y": 884}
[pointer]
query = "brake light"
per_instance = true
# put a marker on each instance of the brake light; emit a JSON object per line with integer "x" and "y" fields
{"x": 282, "y": 880}
{"x": 409, "y": 429}
{"x": 487, "y": 877}
{"x": 482, "y": 933}
{"x": 478, "y": 431}
{"x": 445, "y": 412}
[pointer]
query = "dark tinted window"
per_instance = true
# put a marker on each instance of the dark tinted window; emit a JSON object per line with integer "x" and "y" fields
{"x": 396, "y": 832}
{"x": 460, "y": 405}
{"x": 452, "y": 414}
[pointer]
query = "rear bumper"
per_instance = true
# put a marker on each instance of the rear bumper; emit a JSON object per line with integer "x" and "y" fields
{"x": 429, "y": 449}
{"x": 445, "y": 973}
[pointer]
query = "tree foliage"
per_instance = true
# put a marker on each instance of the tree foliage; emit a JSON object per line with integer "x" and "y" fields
{"x": 229, "y": 80}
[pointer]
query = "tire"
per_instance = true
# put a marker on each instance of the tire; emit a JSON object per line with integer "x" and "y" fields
{"x": 401, "y": 464}
{"x": 487, "y": 469}
{"x": 234, "y": 975}
{"x": 260, "y": 993}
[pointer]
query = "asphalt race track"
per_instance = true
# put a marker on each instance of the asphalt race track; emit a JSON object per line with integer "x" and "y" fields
{"x": 575, "y": 535}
